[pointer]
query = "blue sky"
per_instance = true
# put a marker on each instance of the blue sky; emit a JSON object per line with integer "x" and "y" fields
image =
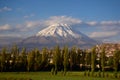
{"x": 99, "y": 19}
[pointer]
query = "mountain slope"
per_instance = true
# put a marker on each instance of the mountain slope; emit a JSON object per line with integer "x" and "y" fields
{"x": 58, "y": 34}
{"x": 58, "y": 30}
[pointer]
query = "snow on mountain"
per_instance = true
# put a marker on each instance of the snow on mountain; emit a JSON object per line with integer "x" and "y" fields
{"x": 58, "y": 30}
{"x": 58, "y": 34}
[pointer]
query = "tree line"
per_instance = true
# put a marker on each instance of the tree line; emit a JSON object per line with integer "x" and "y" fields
{"x": 58, "y": 59}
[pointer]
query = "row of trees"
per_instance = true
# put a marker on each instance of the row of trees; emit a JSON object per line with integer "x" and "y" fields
{"x": 57, "y": 59}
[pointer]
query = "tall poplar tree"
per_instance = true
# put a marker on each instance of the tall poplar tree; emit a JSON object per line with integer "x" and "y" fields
{"x": 38, "y": 59}
{"x": 30, "y": 61}
{"x": 23, "y": 59}
{"x": 103, "y": 58}
{"x": 116, "y": 59}
{"x": 73, "y": 57}
{"x": 56, "y": 58}
{"x": 3, "y": 59}
{"x": 14, "y": 56}
{"x": 44, "y": 56}
{"x": 65, "y": 60}
{"x": 93, "y": 53}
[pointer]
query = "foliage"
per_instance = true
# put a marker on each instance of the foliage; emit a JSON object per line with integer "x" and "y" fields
{"x": 103, "y": 59}
{"x": 116, "y": 59}
{"x": 93, "y": 59}
{"x": 3, "y": 59}
{"x": 65, "y": 59}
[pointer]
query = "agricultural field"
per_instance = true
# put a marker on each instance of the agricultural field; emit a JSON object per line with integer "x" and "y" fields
{"x": 49, "y": 76}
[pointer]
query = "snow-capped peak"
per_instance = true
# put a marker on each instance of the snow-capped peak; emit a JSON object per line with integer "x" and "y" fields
{"x": 58, "y": 30}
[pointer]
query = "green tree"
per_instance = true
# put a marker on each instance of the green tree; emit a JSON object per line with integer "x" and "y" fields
{"x": 56, "y": 58}
{"x": 116, "y": 58}
{"x": 65, "y": 60}
{"x": 82, "y": 57}
{"x": 44, "y": 56}
{"x": 30, "y": 61}
{"x": 23, "y": 59}
{"x": 79, "y": 56}
{"x": 93, "y": 53}
{"x": 38, "y": 59}
{"x": 88, "y": 59}
{"x": 14, "y": 56}
{"x": 110, "y": 61}
{"x": 103, "y": 58}
{"x": 3, "y": 59}
{"x": 73, "y": 57}
{"x": 7, "y": 61}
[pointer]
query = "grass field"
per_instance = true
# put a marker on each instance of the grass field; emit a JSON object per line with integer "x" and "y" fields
{"x": 48, "y": 76}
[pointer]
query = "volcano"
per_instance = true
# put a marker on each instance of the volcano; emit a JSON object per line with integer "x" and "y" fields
{"x": 58, "y": 34}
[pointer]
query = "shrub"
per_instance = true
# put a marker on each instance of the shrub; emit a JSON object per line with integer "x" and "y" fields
{"x": 88, "y": 73}
{"x": 52, "y": 71}
{"x": 62, "y": 72}
{"x": 99, "y": 73}
{"x": 107, "y": 75}
{"x": 92, "y": 74}
{"x": 55, "y": 71}
{"x": 85, "y": 73}
{"x": 115, "y": 74}
{"x": 103, "y": 74}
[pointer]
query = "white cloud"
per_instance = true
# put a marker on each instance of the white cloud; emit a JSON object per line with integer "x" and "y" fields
{"x": 109, "y": 26}
{"x": 5, "y": 9}
{"x": 103, "y": 34}
{"x": 110, "y": 23}
{"x": 29, "y": 16}
{"x": 30, "y": 24}
{"x": 52, "y": 20}
{"x": 10, "y": 35}
{"x": 62, "y": 19}
{"x": 107, "y": 29}
{"x": 5, "y": 27}
{"x": 91, "y": 23}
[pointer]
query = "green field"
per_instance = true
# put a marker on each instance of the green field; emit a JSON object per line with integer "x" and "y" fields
{"x": 48, "y": 76}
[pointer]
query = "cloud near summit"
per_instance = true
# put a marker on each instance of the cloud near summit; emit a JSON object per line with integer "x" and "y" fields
{"x": 102, "y": 29}
{"x": 53, "y": 20}
{"x": 71, "y": 21}
{"x": 5, "y": 27}
{"x": 62, "y": 19}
